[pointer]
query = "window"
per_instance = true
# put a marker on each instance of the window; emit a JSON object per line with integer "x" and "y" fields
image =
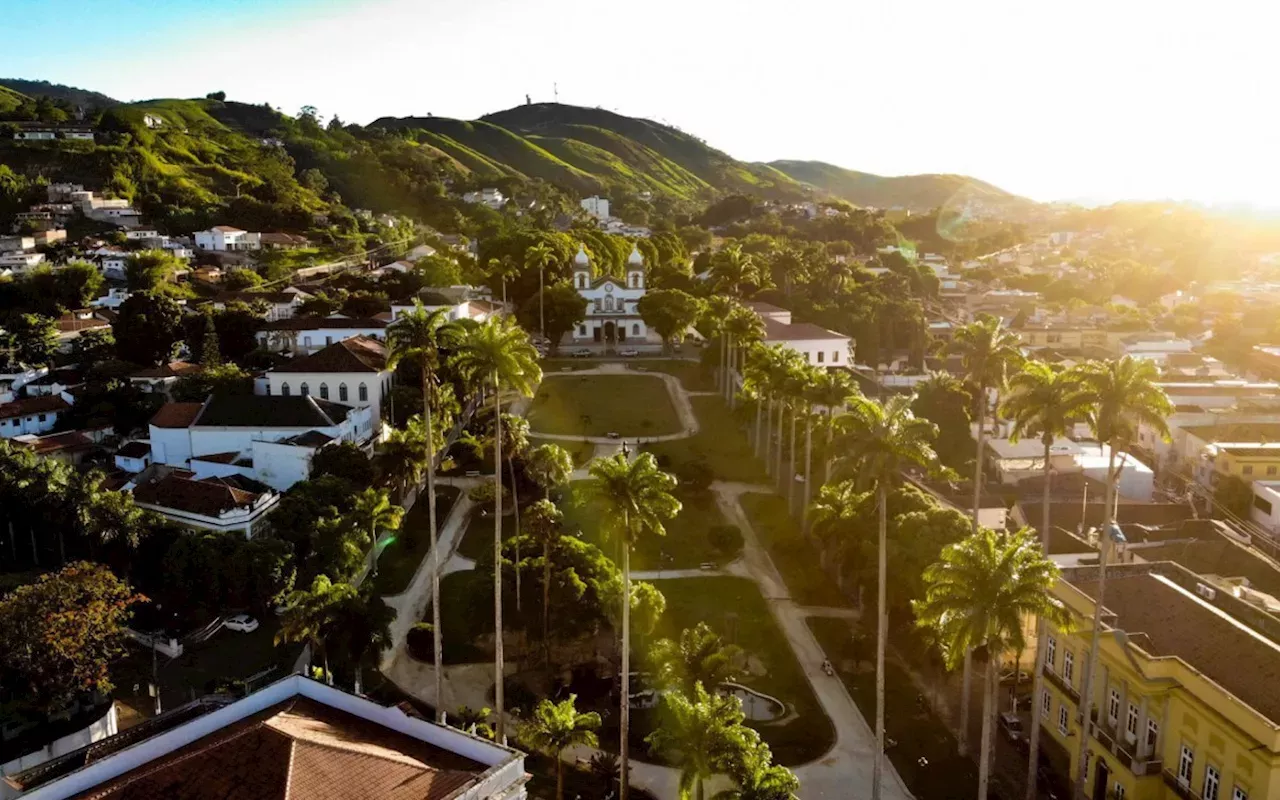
{"x": 268, "y": 390}
{"x": 1117, "y": 791}
{"x": 1068, "y": 665}
{"x": 43, "y": 417}
{"x": 306, "y": 341}
{"x": 1186, "y": 760}
{"x": 1271, "y": 469}
{"x": 305, "y": 389}
{"x": 1046, "y": 701}
{"x": 582, "y": 281}
{"x": 633, "y": 281}
{"x": 599, "y": 304}
{"x": 1113, "y": 706}
{"x": 363, "y": 393}
{"x": 582, "y": 330}
{"x": 635, "y": 330}
{"x": 1062, "y": 720}
{"x": 284, "y": 389}
{"x": 1131, "y": 723}
{"x": 1262, "y": 505}
{"x": 821, "y": 355}
{"x": 1211, "y": 781}
{"x": 342, "y": 393}
{"x": 1153, "y": 733}
{"x": 1248, "y": 469}
{"x": 1239, "y": 794}
{"x": 835, "y": 356}
{"x": 1051, "y": 653}
{"x": 324, "y": 391}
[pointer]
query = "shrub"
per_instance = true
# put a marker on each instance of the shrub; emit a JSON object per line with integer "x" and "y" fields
{"x": 421, "y": 641}
{"x": 726, "y": 539}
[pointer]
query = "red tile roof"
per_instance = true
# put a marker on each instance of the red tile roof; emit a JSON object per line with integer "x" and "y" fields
{"x": 135, "y": 449}
{"x": 356, "y": 354}
{"x": 33, "y": 405}
{"x": 775, "y": 331}
{"x": 174, "y": 369}
{"x": 227, "y": 229}
{"x": 208, "y": 498}
{"x": 298, "y": 750}
{"x": 57, "y": 442}
{"x": 176, "y": 415}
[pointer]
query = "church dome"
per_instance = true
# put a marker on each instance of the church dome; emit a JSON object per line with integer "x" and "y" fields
{"x": 581, "y": 258}
{"x": 635, "y": 259}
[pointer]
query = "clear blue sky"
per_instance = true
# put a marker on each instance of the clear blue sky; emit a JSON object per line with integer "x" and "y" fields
{"x": 1096, "y": 100}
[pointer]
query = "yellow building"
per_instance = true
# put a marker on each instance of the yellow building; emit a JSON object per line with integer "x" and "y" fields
{"x": 1249, "y": 461}
{"x": 1061, "y": 337}
{"x": 1186, "y": 696}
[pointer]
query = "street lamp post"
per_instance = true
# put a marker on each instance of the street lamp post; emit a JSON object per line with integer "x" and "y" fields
{"x": 1112, "y": 536}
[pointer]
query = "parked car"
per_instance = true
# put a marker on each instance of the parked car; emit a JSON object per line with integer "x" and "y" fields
{"x": 1007, "y": 676}
{"x": 582, "y": 352}
{"x": 628, "y": 353}
{"x": 1011, "y": 726}
{"x": 243, "y": 623}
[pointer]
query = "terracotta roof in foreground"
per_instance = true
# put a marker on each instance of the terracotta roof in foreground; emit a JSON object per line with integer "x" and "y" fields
{"x": 356, "y": 354}
{"x": 176, "y": 415}
{"x": 298, "y": 750}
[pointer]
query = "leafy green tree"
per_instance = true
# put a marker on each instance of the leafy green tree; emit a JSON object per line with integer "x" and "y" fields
{"x": 699, "y": 732}
{"x": 549, "y": 466}
{"x": 32, "y": 338}
{"x": 223, "y": 379}
{"x": 310, "y": 615}
{"x": 438, "y": 270}
{"x": 498, "y": 356}
{"x": 359, "y": 630}
{"x": 545, "y": 524}
{"x": 93, "y": 347}
{"x": 670, "y": 312}
{"x": 560, "y": 309}
{"x": 699, "y": 657}
{"x": 344, "y": 460}
{"x": 943, "y": 400}
{"x": 146, "y": 270}
{"x": 879, "y": 441}
{"x": 148, "y": 329}
{"x": 732, "y": 270}
{"x": 751, "y": 767}
{"x": 62, "y": 634}
{"x": 977, "y": 596}
{"x": 555, "y": 727}
{"x": 374, "y": 512}
{"x": 637, "y": 499}
{"x": 239, "y": 280}
{"x": 77, "y": 283}
{"x": 648, "y": 604}
{"x": 210, "y": 355}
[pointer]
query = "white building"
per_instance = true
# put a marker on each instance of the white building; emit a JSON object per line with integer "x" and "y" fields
{"x": 488, "y": 196}
{"x": 816, "y": 344}
{"x": 270, "y": 439}
{"x": 294, "y": 738}
{"x": 612, "y": 315}
{"x": 279, "y": 305}
{"x": 1266, "y": 505}
{"x": 352, "y": 371}
{"x": 152, "y": 120}
{"x": 225, "y": 238}
{"x": 214, "y": 503}
{"x": 31, "y": 415}
{"x": 597, "y": 207}
{"x": 305, "y": 335}
{"x": 20, "y": 262}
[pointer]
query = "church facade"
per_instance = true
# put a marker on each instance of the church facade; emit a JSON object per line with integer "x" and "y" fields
{"x": 612, "y": 315}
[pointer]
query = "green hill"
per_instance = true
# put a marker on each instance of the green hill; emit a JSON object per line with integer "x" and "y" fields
{"x": 9, "y": 99}
{"x": 56, "y": 91}
{"x": 592, "y": 150}
{"x": 915, "y": 192}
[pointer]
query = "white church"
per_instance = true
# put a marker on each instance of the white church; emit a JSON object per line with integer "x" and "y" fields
{"x": 612, "y": 315}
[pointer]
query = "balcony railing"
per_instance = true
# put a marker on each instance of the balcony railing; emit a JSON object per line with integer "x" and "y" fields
{"x": 1061, "y": 684}
{"x": 1179, "y": 788}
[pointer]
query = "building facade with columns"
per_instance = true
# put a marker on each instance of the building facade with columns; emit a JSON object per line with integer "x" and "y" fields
{"x": 612, "y": 313}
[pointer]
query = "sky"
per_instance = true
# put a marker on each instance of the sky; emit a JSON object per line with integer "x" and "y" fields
{"x": 1084, "y": 100}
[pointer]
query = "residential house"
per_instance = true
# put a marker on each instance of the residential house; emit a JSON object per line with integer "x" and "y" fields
{"x": 37, "y": 415}
{"x": 279, "y": 305}
{"x": 1245, "y": 460}
{"x": 162, "y": 378}
{"x": 70, "y": 447}
{"x": 215, "y": 503}
{"x": 1012, "y": 463}
{"x": 141, "y": 233}
{"x": 304, "y": 335}
{"x": 597, "y": 207}
{"x": 352, "y": 371}
{"x": 113, "y": 299}
{"x": 816, "y": 344}
{"x": 21, "y": 261}
{"x": 225, "y": 238}
{"x": 133, "y": 457}
{"x": 295, "y": 738}
{"x": 1184, "y": 695}
{"x": 73, "y": 324}
{"x": 488, "y": 196}
{"x": 270, "y": 439}
{"x": 282, "y": 241}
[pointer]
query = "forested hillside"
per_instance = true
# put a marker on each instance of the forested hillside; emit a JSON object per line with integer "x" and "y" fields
{"x": 914, "y": 192}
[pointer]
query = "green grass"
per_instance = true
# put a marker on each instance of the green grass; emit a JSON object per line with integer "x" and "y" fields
{"x": 466, "y": 605}
{"x": 795, "y": 559}
{"x": 918, "y": 733}
{"x": 554, "y": 365}
{"x": 719, "y": 443}
{"x": 693, "y": 376}
{"x": 477, "y": 539}
{"x": 595, "y": 405}
{"x": 735, "y": 608}
{"x": 400, "y": 559}
{"x": 685, "y": 546}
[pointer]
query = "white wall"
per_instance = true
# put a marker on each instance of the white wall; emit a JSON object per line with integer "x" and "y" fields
{"x": 309, "y": 341}
{"x": 172, "y": 446}
{"x": 30, "y": 423}
{"x": 106, "y": 725}
{"x": 280, "y": 466}
{"x": 378, "y": 385}
{"x": 1266, "y": 493}
{"x": 835, "y": 352}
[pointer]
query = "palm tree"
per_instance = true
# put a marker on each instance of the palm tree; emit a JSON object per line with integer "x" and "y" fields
{"x": 497, "y": 355}
{"x": 880, "y": 441}
{"x": 743, "y": 326}
{"x": 751, "y": 767}
{"x": 637, "y": 500}
{"x": 987, "y": 353}
{"x": 1118, "y": 396}
{"x": 977, "y": 595}
{"x": 831, "y": 390}
{"x": 1042, "y": 401}
{"x": 555, "y": 727}
{"x": 835, "y": 519}
{"x": 374, "y": 511}
{"x": 400, "y": 461}
{"x": 503, "y": 269}
{"x": 549, "y": 466}
{"x": 361, "y": 625}
{"x": 515, "y": 442}
{"x": 715, "y": 317}
{"x": 731, "y": 268}
{"x": 417, "y": 336}
{"x": 474, "y": 721}
{"x": 698, "y": 734}
{"x": 699, "y": 657}
{"x": 545, "y": 524}
{"x": 309, "y": 613}
{"x": 806, "y": 386}
{"x": 754, "y": 375}
{"x": 541, "y": 256}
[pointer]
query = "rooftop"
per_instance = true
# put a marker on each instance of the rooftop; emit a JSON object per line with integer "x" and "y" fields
{"x": 173, "y": 369}
{"x": 55, "y": 442}
{"x": 269, "y": 411}
{"x": 356, "y": 354}
{"x": 135, "y": 449}
{"x": 208, "y": 498}
{"x": 324, "y": 323}
{"x": 1166, "y": 620}
{"x": 33, "y": 405}
{"x": 1248, "y": 449}
{"x": 1223, "y": 558}
{"x": 176, "y": 415}
{"x": 775, "y": 331}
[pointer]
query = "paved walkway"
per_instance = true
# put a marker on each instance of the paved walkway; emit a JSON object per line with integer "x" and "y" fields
{"x": 679, "y": 399}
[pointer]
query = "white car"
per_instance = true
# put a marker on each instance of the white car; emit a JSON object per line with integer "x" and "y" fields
{"x": 628, "y": 353}
{"x": 582, "y": 353}
{"x": 242, "y": 623}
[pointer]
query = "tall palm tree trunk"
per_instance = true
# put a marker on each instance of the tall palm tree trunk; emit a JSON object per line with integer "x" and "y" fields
{"x": 782, "y": 441}
{"x": 546, "y": 602}
{"x": 515, "y": 504}
{"x": 1087, "y": 687}
{"x": 625, "y": 702}
{"x": 808, "y": 470}
{"x": 826, "y": 451}
{"x": 436, "y": 631}
{"x": 724, "y": 376}
{"x": 988, "y": 696}
{"x": 559, "y": 777}
{"x": 728, "y": 373}
{"x": 882, "y": 634}
{"x": 755, "y": 443}
{"x": 980, "y": 403}
{"x": 763, "y": 447}
{"x": 1042, "y": 634}
{"x": 498, "y": 666}
{"x": 791, "y": 465}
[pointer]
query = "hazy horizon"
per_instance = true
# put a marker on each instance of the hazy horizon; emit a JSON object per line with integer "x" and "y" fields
{"x": 1088, "y": 102}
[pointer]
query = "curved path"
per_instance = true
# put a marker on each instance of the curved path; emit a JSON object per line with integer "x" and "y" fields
{"x": 844, "y": 771}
